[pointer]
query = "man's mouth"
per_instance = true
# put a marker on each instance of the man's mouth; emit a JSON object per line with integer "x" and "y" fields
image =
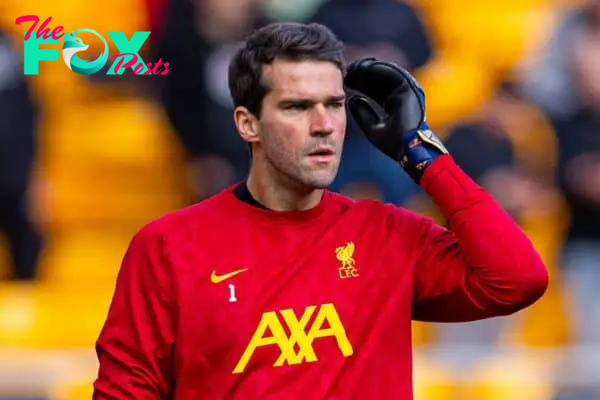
{"x": 322, "y": 156}
{"x": 322, "y": 152}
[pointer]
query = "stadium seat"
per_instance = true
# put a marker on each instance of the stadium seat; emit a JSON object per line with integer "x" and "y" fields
{"x": 432, "y": 381}
{"x": 512, "y": 375}
{"x": 456, "y": 84}
{"x": 53, "y": 315}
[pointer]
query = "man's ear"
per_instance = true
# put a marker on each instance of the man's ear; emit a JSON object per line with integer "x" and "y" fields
{"x": 246, "y": 124}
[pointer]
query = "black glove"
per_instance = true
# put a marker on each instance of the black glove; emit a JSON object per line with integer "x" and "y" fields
{"x": 388, "y": 105}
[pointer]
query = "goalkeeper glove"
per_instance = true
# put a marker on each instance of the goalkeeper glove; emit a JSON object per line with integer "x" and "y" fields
{"x": 388, "y": 105}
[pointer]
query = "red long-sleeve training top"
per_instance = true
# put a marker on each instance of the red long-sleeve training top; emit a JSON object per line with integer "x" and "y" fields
{"x": 224, "y": 300}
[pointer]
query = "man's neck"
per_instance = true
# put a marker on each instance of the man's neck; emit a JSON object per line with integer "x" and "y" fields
{"x": 279, "y": 196}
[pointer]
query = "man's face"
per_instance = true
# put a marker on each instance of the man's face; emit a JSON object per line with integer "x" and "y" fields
{"x": 303, "y": 121}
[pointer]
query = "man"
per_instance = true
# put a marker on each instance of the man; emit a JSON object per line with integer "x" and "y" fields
{"x": 18, "y": 151}
{"x": 277, "y": 288}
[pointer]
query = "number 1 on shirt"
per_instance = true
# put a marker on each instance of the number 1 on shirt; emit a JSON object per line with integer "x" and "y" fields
{"x": 232, "y": 298}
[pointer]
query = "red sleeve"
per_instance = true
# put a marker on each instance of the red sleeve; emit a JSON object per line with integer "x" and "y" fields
{"x": 483, "y": 266}
{"x": 135, "y": 346}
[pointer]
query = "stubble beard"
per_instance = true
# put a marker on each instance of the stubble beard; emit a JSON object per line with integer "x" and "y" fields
{"x": 313, "y": 175}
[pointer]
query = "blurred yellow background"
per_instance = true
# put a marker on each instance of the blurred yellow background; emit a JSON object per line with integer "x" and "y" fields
{"x": 109, "y": 162}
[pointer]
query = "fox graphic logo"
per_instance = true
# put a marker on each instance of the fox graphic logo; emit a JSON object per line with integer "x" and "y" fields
{"x": 73, "y": 45}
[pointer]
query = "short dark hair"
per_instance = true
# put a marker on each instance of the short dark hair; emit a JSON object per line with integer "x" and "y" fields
{"x": 291, "y": 41}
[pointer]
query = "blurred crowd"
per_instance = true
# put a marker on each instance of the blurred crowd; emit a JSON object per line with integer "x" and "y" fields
{"x": 513, "y": 89}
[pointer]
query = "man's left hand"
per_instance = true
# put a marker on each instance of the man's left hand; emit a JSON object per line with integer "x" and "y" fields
{"x": 388, "y": 105}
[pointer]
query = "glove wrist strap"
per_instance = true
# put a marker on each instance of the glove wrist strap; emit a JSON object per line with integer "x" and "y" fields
{"x": 421, "y": 148}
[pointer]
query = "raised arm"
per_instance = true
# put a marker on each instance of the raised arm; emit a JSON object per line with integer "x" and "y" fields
{"x": 483, "y": 265}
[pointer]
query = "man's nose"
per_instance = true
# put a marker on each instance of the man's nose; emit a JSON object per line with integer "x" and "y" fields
{"x": 321, "y": 123}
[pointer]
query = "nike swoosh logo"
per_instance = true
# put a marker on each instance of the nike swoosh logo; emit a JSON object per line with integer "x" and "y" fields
{"x": 214, "y": 278}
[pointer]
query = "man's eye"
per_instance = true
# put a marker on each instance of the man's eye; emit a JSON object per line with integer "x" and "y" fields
{"x": 296, "y": 107}
{"x": 337, "y": 105}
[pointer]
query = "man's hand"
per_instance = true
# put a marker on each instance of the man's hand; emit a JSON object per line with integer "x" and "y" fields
{"x": 388, "y": 105}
